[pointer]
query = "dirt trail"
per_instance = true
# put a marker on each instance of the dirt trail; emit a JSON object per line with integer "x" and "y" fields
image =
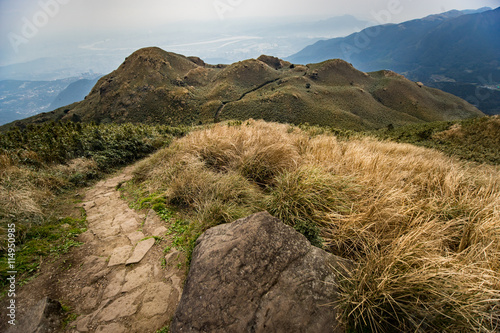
{"x": 223, "y": 104}
{"x": 116, "y": 282}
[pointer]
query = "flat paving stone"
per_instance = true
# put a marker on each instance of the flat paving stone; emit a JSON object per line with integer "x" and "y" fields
{"x": 101, "y": 201}
{"x": 122, "y": 307}
{"x": 137, "y": 277}
{"x": 135, "y": 236}
{"x": 82, "y": 323}
{"x": 120, "y": 256}
{"x": 129, "y": 226}
{"x": 106, "y": 232}
{"x": 112, "y": 328}
{"x": 140, "y": 251}
{"x": 155, "y": 299}
{"x": 115, "y": 286}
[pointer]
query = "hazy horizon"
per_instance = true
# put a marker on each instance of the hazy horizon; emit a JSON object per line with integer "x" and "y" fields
{"x": 96, "y": 36}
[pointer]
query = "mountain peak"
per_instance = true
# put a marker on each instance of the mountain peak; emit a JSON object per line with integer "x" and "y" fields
{"x": 274, "y": 62}
{"x": 155, "y": 86}
{"x": 337, "y": 71}
{"x": 154, "y": 58}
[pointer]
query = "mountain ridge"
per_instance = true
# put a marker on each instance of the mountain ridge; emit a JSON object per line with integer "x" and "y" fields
{"x": 453, "y": 46}
{"x": 156, "y": 86}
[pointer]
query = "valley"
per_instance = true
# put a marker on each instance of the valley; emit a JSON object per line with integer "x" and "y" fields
{"x": 22, "y": 99}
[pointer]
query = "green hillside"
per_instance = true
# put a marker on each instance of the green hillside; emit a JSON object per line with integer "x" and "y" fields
{"x": 153, "y": 86}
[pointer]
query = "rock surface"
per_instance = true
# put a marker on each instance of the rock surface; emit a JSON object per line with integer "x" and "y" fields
{"x": 130, "y": 292}
{"x": 44, "y": 317}
{"x": 141, "y": 249}
{"x": 115, "y": 282}
{"x": 258, "y": 275}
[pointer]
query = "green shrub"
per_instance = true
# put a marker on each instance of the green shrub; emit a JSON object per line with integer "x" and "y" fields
{"x": 473, "y": 139}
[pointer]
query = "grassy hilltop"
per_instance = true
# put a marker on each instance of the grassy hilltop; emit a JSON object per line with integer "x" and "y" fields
{"x": 153, "y": 86}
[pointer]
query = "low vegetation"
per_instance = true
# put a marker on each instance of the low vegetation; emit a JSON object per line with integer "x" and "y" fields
{"x": 475, "y": 139}
{"x": 421, "y": 228}
{"x": 41, "y": 166}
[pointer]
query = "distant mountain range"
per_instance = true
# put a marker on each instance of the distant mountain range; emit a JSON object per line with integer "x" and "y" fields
{"x": 20, "y": 99}
{"x": 155, "y": 86}
{"x": 74, "y": 92}
{"x": 456, "y": 51}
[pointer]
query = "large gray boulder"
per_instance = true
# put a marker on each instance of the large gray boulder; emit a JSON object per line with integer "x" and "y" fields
{"x": 258, "y": 275}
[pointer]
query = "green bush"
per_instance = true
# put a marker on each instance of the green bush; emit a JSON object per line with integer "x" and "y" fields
{"x": 109, "y": 145}
{"x": 473, "y": 139}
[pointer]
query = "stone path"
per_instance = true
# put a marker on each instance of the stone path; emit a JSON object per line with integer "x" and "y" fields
{"x": 120, "y": 283}
{"x": 119, "y": 280}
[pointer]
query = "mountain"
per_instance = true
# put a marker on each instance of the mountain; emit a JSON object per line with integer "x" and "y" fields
{"x": 433, "y": 41}
{"x": 450, "y": 47}
{"x": 75, "y": 92}
{"x": 155, "y": 86}
{"x": 218, "y": 42}
{"x": 21, "y": 98}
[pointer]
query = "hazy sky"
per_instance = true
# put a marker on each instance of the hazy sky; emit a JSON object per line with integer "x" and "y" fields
{"x": 126, "y": 13}
{"x": 23, "y": 21}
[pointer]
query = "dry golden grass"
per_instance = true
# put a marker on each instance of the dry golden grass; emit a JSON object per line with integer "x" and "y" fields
{"x": 20, "y": 200}
{"x": 422, "y": 229}
{"x": 17, "y": 193}
{"x": 25, "y": 192}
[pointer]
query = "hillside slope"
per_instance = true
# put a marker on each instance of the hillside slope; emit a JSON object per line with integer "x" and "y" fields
{"x": 451, "y": 41}
{"x": 155, "y": 86}
{"x": 450, "y": 48}
{"x": 75, "y": 92}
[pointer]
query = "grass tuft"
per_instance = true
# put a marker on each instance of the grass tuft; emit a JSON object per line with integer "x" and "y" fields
{"x": 304, "y": 197}
{"x": 422, "y": 229}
